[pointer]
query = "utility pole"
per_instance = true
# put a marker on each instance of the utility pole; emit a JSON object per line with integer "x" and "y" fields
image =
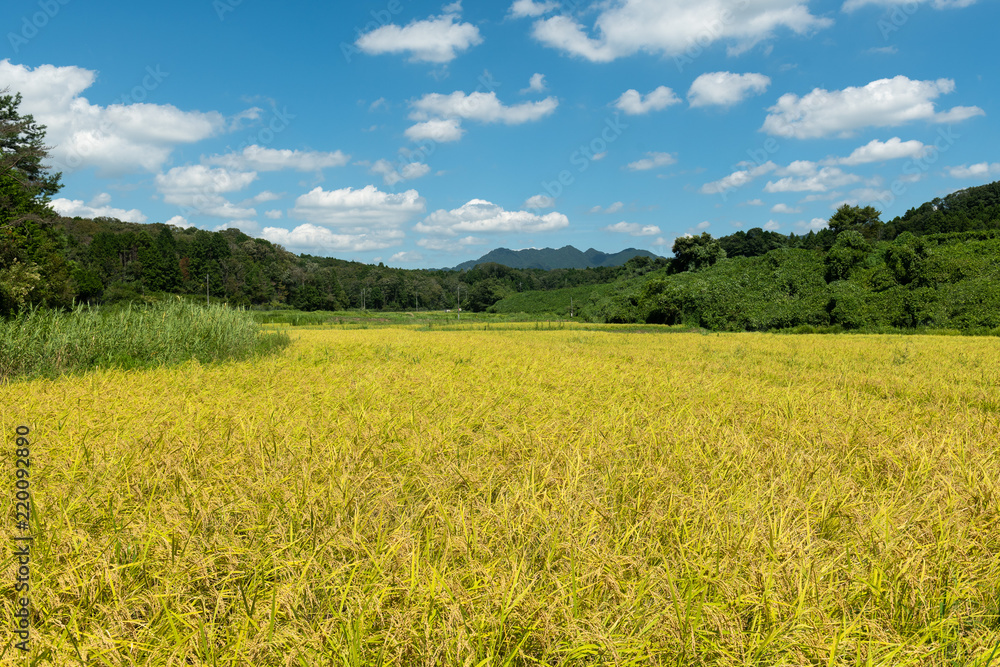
{"x": 458, "y": 292}
{"x": 571, "y": 306}
{"x": 206, "y": 291}
{"x": 362, "y": 298}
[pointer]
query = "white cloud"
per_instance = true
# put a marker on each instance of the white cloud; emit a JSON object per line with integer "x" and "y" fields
{"x": 479, "y": 216}
{"x": 178, "y": 221}
{"x": 523, "y": 8}
{"x": 851, "y": 5}
{"x": 772, "y": 226}
{"x": 979, "y": 170}
{"x": 449, "y": 243}
{"x": 406, "y": 257}
{"x": 806, "y": 176}
{"x": 406, "y": 172}
{"x": 442, "y": 115}
{"x": 652, "y": 162}
{"x": 704, "y": 224}
{"x": 737, "y": 179}
{"x": 257, "y": 158}
{"x": 263, "y": 197}
{"x": 98, "y": 207}
{"x": 482, "y": 107}
{"x": 633, "y": 229}
{"x": 118, "y": 138}
{"x": 671, "y": 27}
{"x": 784, "y": 208}
{"x": 435, "y": 40}
{"x": 813, "y": 225}
{"x": 274, "y": 214}
{"x": 536, "y": 85}
{"x": 880, "y": 151}
{"x": 881, "y": 103}
{"x": 539, "y": 201}
{"x": 441, "y": 131}
{"x": 725, "y": 88}
{"x": 612, "y": 208}
{"x": 753, "y": 202}
{"x": 366, "y": 207}
{"x": 314, "y": 239}
{"x": 200, "y": 188}
{"x": 632, "y": 103}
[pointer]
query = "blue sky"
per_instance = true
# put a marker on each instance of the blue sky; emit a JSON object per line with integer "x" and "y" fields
{"x": 423, "y": 134}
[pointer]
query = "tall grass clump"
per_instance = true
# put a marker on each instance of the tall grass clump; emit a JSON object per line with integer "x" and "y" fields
{"x": 46, "y": 343}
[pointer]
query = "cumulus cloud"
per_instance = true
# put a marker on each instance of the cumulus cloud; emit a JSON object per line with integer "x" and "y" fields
{"x": 652, "y": 162}
{"x": 633, "y": 229}
{"x": 407, "y": 172}
{"x": 880, "y": 151}
{"x": 536, "y": 84}
{"x": 979, "y": 170}
{"x": 177, "y": 221}
{"x": 435, "y": 40}
{"x": 813, "y": 225}
{"x": 881, "y": 103}
{"x": 528, "y": 8}
{"x": 725, "y": 88}
{"x": 806, "y": 176}
{"x": 257, "y": 158}
{"x": 633, "y": 103}
{"x": 482, "y": 107}
{"x": 367, "y": 207}
{"x": 314, "y": 239}
{"x": 442, "y": 115}
{"x": 96, "y": 208}
{"x": 738, "y": 178}
{"x": 121, "y": 137}
{"x": 274, "y": 214}
{"x": 479, "y": 216}
{"x": 539, "y": 201}
{"x": 671, "y": 27}
{"x": 199, "y": 188}
{"x": 441, "y": 131}
{"x": 784, "y": 208}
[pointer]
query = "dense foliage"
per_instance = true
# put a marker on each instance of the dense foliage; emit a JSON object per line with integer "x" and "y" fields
{"x": 46, "y": 342}
{"x": 933, "y": 281}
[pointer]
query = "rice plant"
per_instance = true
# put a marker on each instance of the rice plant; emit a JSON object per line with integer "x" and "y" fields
{"x": 498, "y": 497}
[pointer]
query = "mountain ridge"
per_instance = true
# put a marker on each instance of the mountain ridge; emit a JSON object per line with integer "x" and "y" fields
{"x": 566, "y": 257}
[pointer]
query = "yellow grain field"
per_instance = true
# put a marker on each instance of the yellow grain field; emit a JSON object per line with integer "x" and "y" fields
{"x": 515, "y": 497}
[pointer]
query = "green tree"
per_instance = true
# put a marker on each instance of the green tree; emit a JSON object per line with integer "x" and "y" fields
{"x": 33, "y": 267}
{"x": 865, "y": 221}
{"x": 696, "y": 252}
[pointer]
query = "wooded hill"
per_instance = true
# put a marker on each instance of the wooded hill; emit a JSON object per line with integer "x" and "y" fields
{"x": 546, "y": 259}
{"x": 936, "y": 266}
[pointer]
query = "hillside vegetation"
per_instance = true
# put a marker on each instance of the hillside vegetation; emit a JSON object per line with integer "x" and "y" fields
{"x": 857, "y": 274}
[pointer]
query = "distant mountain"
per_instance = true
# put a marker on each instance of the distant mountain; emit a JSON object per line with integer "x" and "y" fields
{"x": 566, "y": 257}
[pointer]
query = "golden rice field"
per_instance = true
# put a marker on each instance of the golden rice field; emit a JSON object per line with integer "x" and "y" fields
{"x": 520, "y": 497}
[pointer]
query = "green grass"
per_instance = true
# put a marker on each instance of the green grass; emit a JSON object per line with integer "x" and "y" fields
{"x": 46, "y": 343}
